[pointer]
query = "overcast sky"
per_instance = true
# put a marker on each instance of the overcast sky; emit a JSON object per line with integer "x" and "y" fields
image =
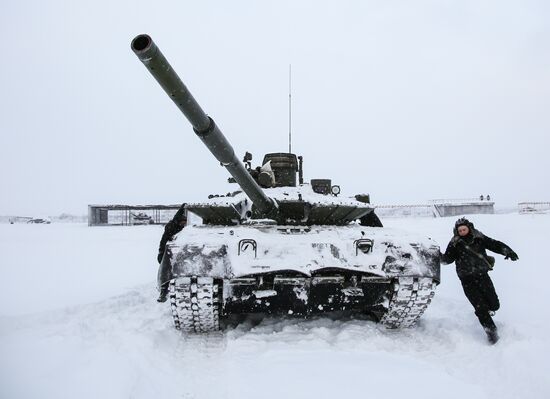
{"x": 405, "y": 100}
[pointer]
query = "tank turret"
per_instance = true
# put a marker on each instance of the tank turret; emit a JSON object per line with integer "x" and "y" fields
{"x": 278, "y": 170}
{"x": 204, "y": 126}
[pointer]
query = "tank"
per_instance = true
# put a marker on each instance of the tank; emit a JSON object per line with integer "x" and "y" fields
{"x": 279, "y": 245}
{"x": 140, "y": 218}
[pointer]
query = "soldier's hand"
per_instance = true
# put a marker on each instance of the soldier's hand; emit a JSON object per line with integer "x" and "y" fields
{"x": 512, "y": 256}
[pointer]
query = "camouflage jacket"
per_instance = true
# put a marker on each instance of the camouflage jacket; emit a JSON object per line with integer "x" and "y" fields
{"x": 470, "y": 252}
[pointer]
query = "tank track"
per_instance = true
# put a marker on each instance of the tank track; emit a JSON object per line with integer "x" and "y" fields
{"x": 409, "y": 299}
{"x": 195, "y": 303}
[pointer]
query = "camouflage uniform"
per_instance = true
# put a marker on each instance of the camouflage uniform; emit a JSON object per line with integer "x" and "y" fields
{"x": 472, "y": 266}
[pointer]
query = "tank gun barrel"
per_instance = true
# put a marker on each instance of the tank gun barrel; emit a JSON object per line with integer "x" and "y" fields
{"x": 204, "y": 126}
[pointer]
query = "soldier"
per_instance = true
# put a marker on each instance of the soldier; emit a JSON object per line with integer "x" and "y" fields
{"x": 172, "y": 228}
{"x": 467, "y": 249}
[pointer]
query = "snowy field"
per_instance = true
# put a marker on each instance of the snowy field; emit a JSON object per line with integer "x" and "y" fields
{"x": 78, "y": 319}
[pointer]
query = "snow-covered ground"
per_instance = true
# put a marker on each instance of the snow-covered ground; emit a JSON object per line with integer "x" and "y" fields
{"x": 78, "y": 318}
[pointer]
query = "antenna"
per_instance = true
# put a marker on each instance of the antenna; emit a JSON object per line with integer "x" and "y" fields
{"x": 290, "y": 108}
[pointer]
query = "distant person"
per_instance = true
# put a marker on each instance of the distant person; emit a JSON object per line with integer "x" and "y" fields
{"x": 172, "y": 228}
{"x": 468, "y": 250}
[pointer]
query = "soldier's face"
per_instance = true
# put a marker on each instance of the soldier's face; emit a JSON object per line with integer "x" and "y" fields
{"x": 463, "y": 231}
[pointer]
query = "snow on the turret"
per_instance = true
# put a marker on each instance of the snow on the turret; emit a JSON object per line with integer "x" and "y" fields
{"x": 304, "y": 191}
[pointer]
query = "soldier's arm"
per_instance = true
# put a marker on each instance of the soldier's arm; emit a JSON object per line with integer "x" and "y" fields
{"x": 172, "y": 228}
{"x": 166, "y": 236}
{"x": 498, "y": 247}
{"x": 450, "y": 254}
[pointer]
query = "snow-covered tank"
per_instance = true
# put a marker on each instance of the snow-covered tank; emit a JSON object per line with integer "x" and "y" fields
{"x": 280, "y": 245}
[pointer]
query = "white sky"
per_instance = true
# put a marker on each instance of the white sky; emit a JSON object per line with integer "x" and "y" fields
{"x": 405, "y": 100}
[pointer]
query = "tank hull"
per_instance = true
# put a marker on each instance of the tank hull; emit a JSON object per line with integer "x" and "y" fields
{"x": 302, "y": 270}
{"x": 229, "y": 252}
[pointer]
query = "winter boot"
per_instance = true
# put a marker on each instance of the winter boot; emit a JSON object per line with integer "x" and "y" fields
{"x": 163, "y": 292}
{"x": 492, "y": 335}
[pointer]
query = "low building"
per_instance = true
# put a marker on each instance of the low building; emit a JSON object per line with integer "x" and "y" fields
{"x": 440, "y": 208}
{"x": 130, "y": 215}
{"x": 464, "y": 206}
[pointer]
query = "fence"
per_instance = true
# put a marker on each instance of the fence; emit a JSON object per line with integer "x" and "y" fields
{"x": 533, "y": 207}
{"x": 406, "y": 211}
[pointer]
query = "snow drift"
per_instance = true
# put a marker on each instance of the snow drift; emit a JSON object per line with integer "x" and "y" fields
{"x": 78, "y": 319}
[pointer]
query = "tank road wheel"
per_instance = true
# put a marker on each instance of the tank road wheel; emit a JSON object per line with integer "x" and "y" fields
{"x": 409, "y": 298}
{"x": 195, "y": 303}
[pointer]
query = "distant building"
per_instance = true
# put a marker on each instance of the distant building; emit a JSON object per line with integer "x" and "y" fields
{"x": 533, "y": 207}
{"x": 440, "y": 208}
{"x": 464, "y": 206}
{"x": 129, "y": 215}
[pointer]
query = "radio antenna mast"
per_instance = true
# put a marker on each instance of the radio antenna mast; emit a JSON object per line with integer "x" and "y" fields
{"x": 290, "y": 108}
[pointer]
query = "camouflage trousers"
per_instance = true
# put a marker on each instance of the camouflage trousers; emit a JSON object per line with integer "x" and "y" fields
{"x": 480, "y": 291}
